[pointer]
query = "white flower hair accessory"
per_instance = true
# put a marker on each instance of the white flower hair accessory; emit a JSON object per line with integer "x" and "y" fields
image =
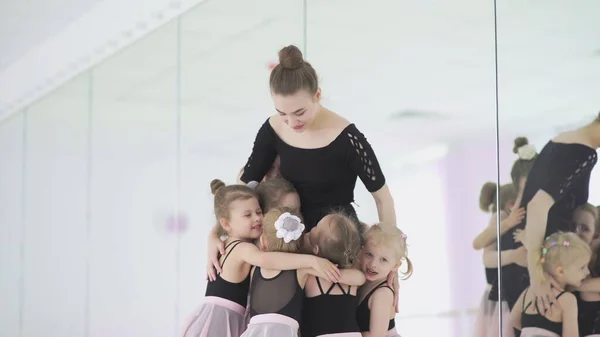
{"x": 527, "y": 152}
{"x": 289, "y": 227}
{"x": 253, "y": 184}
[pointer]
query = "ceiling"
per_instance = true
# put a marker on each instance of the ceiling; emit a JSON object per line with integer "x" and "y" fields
{"x": 376, "y": 60}
{"x": 25, "y": 24}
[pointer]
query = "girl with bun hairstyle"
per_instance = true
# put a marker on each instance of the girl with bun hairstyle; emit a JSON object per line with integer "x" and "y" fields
{"x": 238, "y": 213}
{"x": 518, "y": 173}
{"x": 486, "y": 323}
{"x": 557, "y": 184}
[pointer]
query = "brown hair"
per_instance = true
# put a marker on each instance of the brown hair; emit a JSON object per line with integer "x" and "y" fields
{"x": 271, "y": 191}
{"x": 272, "y": 242}
{"x": 224, "y": 196}
{"x": 487, "y": 197}
{"x": 587, "y": 207}
{"x": 559, "y": 250}
{"x": 342, "y": 246}
{"x": 293, "y": 74}
{"x": 391, "y": 236}
{"x": 521, "y": 167}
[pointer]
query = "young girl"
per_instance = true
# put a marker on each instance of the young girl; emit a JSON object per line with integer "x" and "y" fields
{"x": 565, "y": 257}
{"x": 384, "y": 250}
{"x": 585, "y": 220}
{"x": 486, "y": 323}
{"x": 237, "y": 211}
{"x": 330, "y": 308}
{"x": 278, "y": 192}
{"x": 277, "y": 294}
{"x": 274, "y": 192}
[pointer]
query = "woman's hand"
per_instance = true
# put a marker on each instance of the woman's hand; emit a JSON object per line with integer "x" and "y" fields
{"x": 215, "y": 247}
{"x": 545, "y": 298}
{"x": 392, "y": 281}
{"x": 519, "y": 236}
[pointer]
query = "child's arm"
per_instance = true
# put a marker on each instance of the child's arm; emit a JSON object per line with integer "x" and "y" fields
{"x": 250, "y": 254}
{"x": 568, "y": 304}
{"x": 517, "y": 312}
{"x": 351, "y": 277}
{"x": 215, "y": 246}
{"x": 489, "y": 234}
{"x": 490, "y": 257}
{"x": 382, "y": 302}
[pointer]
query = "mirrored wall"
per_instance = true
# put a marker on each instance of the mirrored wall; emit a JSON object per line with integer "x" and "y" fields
{"x": 105, "y": 198}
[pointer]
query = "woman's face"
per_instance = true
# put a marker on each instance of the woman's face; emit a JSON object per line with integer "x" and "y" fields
{"x": 299, "y": 110}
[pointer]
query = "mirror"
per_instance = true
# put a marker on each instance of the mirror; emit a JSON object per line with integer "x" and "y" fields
{"x": 548, "y": 122}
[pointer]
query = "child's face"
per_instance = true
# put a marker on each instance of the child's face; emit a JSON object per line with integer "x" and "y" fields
{"x": 577, "y": 271}
{"x": 291, "y": 201}
{"x": 585, "y": 225}
{"x": 377, "y": 261}
{"x": 245, "y": 220}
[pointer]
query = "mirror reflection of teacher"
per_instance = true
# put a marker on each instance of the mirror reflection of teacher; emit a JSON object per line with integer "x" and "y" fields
{"x": 557, "y": 184}
{"x": 320, "y": 152}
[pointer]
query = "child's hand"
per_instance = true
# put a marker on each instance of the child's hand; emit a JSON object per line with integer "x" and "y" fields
{"x": 325, "y": 267}
{"x": 393, "y": 282}
{"x": 519, "y": 236}
{"x": 215, "y": 247}
{"x": 515, "y": 217}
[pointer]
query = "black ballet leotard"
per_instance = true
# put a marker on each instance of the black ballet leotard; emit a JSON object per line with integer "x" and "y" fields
{"x": 329, "y": 314}
{"x": 235, "y": 292}
{"x": 363, "y": 313}
{"x": 538, "y": 321}
{"x": 281, "y": 294}
{"x": 588, "y": 316}
{"x": 324, "y": 177}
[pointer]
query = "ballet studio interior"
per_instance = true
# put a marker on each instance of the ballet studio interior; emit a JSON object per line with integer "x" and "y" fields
{"x": 133, "y": 134}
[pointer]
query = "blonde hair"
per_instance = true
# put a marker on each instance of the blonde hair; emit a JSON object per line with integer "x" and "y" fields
{"x": 487, "y": 197}
{"x": 224, "y": 196}
{"x": 393, "y": 237}
{"x": 559, "y": 250}
{"x": 342, "y": 246}
{"x": 271, "y": 241}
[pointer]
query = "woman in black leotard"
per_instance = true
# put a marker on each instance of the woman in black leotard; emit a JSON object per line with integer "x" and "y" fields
{"x": 320, "y": 152}
{"x": 557, "y": 184}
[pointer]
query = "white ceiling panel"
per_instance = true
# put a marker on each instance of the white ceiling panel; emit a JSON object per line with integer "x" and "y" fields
{"x": 375, "y": 59}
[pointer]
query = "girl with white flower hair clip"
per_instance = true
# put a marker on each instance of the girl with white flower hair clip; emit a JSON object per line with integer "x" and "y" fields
{"x": 276, "y": 296}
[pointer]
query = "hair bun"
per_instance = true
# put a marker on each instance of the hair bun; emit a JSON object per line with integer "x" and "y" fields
{"x": 290, "y": 57}
{"x": 215, "y": 185}
{"x": 519, "y": 142}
